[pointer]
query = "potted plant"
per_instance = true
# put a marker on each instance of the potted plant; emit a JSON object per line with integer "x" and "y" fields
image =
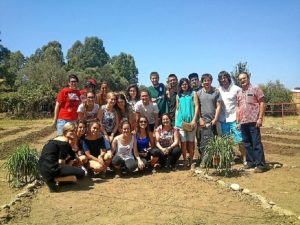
{"x": 219, "y": 153}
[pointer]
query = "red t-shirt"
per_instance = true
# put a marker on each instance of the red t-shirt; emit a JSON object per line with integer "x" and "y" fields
{"x": 69, "y": 100}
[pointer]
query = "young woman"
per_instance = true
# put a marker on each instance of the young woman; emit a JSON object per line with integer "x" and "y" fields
{"x": 68, "y": 100}
{"x": 108, "y": 117}
{"x": 146, "y": 150}
{"x": 125, "y": 151}
{"x": 96, "y": 148}
{"x": 132, "y": 95}
{"x": 54, "y": 155}
{"x": 167, "y": 141}
{"x": 187, "y": 107}
{"x": 80, "y": 134}
{"x": 101, "y": 97}
{"x": 124, "y": 112}
{"x": 88, "y": 110}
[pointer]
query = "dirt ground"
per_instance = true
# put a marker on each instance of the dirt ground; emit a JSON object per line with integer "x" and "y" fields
{"x": 178, "y": 197}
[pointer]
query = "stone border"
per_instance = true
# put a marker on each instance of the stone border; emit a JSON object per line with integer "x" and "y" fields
{"x": 7, "y": 211}
{"x": 236, "y": 187}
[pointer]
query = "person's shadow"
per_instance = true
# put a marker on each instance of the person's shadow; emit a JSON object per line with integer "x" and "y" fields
{"x": 84, "y": 184}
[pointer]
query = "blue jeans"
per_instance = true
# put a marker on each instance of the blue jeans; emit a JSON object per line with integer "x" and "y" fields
{"x": 252, "y": 142}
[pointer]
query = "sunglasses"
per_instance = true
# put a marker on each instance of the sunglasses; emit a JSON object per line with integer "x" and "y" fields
{"x": 90, "y": 97}
{"x": 143, "y": 121}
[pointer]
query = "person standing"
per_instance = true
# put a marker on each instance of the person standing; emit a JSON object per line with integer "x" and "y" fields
{"x": 187, "y": 106}
{"x": 67, "y": 102}
{"x": 90, "y": 86}
{"x": 250, "y": 112}
{"x": 145, "y": 107}
{"x": 210, "y": 109}
{"x": 229, "y": 92}
{"x": 171, "y": 96}
{"x": 196, "y": 86}
{"x": 157, "y": 93}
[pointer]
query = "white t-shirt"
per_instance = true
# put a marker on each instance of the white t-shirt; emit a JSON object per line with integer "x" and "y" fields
{"x": 147, "y": 110}
{"x": 229, "y": 104}
{"x": 90, "y": 115}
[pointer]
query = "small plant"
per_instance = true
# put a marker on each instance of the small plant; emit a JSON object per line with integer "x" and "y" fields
{"x": 219, "y": 154}
{"x": 22, "y": 166}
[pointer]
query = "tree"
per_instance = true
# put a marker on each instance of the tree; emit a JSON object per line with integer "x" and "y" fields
{"x": 275, "y": 92}
{"x": 73, "y": 56}
{"x": 239, "y": 68}
{"x": 45, "y": 66}
{"x": 124, "y": 66}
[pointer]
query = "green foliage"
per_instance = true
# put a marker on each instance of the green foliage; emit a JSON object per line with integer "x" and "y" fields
{"x": 239, "y": 68}
{"x": 219, "y": 153}
{"x": 22, "y": 166}
{"x": 30, "y": 101}
{"x": 275, "y": 92}
{"x": 124, "y": 66}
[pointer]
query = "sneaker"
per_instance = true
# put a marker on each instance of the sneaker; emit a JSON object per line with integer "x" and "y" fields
{"x": 247, "y": 166}
{"x": 85, "y": 171}
{"x": 103, "y": 174}
{"x": 258, "y": 170}
{"x": 193, "y": 167}
{"x": 118, "y": 174}
{"x": 154, "y": 170}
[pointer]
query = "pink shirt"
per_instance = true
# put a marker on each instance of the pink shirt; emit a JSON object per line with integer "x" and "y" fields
{"x": 248, "y": 103}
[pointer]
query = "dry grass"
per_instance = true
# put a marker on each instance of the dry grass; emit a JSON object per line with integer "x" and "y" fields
{"x": 286, "y": 122}
{"x": 11, "y": 123}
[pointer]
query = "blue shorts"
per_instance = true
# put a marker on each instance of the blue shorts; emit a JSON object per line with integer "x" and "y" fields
{"x": 229, "y": 128}
{"x": 60, "y": 124}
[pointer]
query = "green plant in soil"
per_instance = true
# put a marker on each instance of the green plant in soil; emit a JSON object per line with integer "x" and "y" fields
{"x": 22, "y": 166}
{"x": 219, "y": 154}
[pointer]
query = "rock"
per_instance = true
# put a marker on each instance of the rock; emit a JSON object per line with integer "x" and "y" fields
{"x": 23, "y": 194}
{"x": 246, "y": 191}
{"x": 221, "y": 183}
{"x": 208, "y": 177}
{"x": 272, "y": 203}
{"x": 6, "y": 206}
{"x": 266, "y": 205}
{"x": 235, "y": 187}
{"x": 31, "y": 187}
{"x": 197, "y": 171}
{"x": 276, "y": 166}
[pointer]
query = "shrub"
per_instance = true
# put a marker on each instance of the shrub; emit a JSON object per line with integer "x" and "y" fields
{"x": 219, "y": 153}
{"x": 22, "y": 166}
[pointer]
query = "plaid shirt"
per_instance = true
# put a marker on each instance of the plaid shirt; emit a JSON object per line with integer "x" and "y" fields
{"x": 248, "y": 103}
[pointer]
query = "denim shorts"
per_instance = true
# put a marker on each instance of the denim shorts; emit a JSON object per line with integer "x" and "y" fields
{"x": 229, "y": 128}
{"x": 187, "y": 136}
{"x": 60, "y": 124}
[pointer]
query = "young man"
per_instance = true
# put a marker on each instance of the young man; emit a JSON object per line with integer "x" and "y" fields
{"x": 195, "y": 83}
{"x": 196, "y": 86}
{"x": 210, "y": 108}
{"x": 148, "y": 109}
{"x": 249, "y": 117}
{"x": 227, "y": 117}
{"x": 171, "y": 96}
{"x": 157, "y": 93}
{"x": 68, "y": 100}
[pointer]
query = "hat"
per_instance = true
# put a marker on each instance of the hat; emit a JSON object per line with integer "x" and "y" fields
{"x": 91, "y": 82}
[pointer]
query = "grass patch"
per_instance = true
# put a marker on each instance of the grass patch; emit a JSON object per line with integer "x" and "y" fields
{"x": 286, "y": 122}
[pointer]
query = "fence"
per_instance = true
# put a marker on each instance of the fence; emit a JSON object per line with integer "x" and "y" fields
{"x": 284, "y": 110}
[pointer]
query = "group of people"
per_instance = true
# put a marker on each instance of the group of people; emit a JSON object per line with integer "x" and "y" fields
{"x": 153, "y": 127}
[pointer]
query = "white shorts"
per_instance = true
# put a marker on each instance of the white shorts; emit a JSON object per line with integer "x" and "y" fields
{"x": 187, "y": 136}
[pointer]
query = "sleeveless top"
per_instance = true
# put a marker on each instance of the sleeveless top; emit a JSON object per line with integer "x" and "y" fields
{"x": 142, "y": 143}
{"x": 165, "y": 137}
{"x": 186, "y": 110}
{"x": 108, "y": 119}
{"x": 125, "y": 151}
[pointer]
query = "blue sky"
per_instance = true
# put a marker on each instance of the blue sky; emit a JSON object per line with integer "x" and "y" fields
{"x": 168, "y": 36}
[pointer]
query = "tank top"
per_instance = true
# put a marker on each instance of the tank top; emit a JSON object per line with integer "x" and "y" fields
{"x": 142, "y": 143}
{"x": 165, "y": 137}
{"x": 125, "y": 151}
{"x": 108, "y": 119}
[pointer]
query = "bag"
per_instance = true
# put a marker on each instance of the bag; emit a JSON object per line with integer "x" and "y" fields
{"x": 188, "y": 127}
